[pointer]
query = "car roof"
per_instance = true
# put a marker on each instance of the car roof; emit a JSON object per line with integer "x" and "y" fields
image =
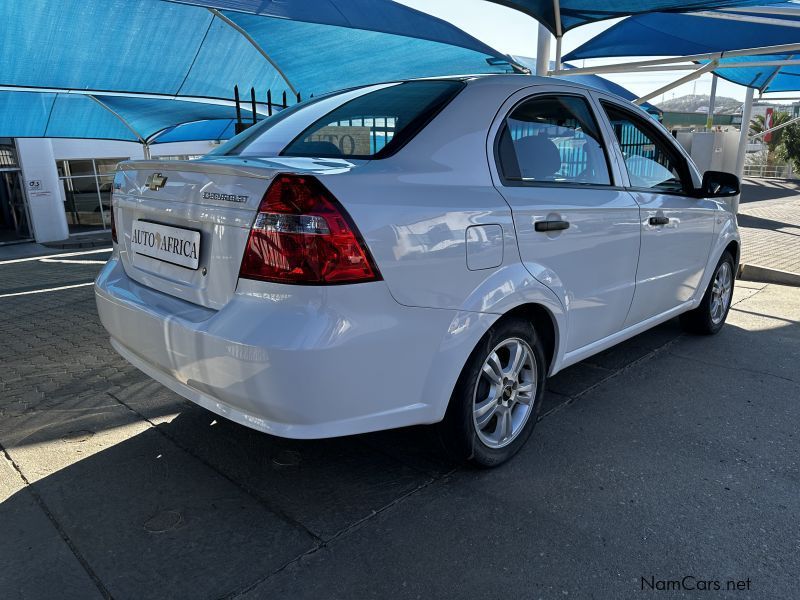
{"x": 518, "y": 80}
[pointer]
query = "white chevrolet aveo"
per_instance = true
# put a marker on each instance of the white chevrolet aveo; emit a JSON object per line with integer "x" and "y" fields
{"x": 413, "y": 252}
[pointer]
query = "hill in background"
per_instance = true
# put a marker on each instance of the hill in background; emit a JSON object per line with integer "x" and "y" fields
{"x": 699, "y": 103}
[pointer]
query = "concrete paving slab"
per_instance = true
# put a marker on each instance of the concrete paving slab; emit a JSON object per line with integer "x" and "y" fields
{"x": 664, "y": 471}
{"x": 37, "y": 563}
{"x": 324, "y": 484}
{"x": 770, "y": 231}
{"x": 762, "y": 336}
{"x": 150, "y": 519}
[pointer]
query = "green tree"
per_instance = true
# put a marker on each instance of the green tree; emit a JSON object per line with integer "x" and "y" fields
{"x": 758, "y": 124}
{"x": 790, "y": 145}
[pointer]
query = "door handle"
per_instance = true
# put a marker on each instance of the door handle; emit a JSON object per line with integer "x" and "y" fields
{"x": 659, "y": 220}
{"x": 551, "y": 225}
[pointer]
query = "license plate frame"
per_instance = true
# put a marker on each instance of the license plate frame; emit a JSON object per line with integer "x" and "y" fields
{"x": 172, "y": 244}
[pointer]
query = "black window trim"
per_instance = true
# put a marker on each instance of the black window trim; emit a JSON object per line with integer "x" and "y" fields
{"x": 408, "y": 133}
{"x": 515, "y": 182}
{"x": 651, "y": 129}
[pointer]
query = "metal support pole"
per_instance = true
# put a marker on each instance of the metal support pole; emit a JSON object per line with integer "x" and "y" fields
{"x": 253, "y": 104}
{"x": 146, "y": 151}
{"x": 678, "y": 82}
{"x": 543, "y": 51}
{"x": 711, "y": 102}
{"x": 558, "y": 53}
{"x": 628, "y": 67}
{"x": 747, "y": 113}
{"x": 238, "y": 106}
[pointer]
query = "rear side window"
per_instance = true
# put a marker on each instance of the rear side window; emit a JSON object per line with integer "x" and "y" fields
{"x": 652, "y": 163}
{"x": 553, "y": 139}
{"x": 376, "y": 124}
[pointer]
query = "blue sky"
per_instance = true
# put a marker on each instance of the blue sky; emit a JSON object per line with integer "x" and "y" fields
{"x": 513, "y": 32}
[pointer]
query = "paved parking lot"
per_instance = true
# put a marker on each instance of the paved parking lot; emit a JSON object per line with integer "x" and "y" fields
{"x": 769, "y": 223}
{"x": 669, "y": 456}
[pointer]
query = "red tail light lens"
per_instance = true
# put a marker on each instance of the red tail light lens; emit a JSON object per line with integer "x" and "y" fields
{"x": 303, "y": 235}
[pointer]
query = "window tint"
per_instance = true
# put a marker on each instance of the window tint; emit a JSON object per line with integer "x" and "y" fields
{"x": 651, "y": 162}
{"x": 375, "y": 124}
{"x": 553, "y": 139}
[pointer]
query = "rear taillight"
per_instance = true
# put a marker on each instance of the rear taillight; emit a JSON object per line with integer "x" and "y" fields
{"x": 113, "y": 225}
{"x": 303, "y": 235}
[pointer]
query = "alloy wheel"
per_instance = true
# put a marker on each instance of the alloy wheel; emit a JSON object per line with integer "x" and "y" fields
{"x": 504, "y": 393}
{"x": 721, "y": 292}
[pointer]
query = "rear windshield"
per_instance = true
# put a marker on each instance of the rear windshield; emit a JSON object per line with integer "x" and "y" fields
{"x": 376, "y": 124}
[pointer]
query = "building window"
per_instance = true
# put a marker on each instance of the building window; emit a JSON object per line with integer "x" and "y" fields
{"x": 14, "y": 218}
{"x": 8, "y": 154}
{"x": 87, "y": 192}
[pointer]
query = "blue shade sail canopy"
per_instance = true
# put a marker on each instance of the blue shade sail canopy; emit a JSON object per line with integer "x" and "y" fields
{"x": 666, "y": 34}
{"x": 678, "y": 35}
{"x": 595, "y": 81}
{"x": 54, "y": 115}
{"x": 580, "y": 12}
{"x": 159, "y": 47}
{"x": 382, "y": 16}
{"x": 763, "y": 78}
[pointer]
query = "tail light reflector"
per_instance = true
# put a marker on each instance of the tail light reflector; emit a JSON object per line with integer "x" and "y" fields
{"x": 303, "y": 235}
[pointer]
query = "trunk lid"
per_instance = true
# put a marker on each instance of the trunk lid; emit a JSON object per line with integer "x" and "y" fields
{"x": 182, "y": 226}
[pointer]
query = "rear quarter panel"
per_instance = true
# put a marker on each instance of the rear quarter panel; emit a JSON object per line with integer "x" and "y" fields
{"x": 414, "y": 208}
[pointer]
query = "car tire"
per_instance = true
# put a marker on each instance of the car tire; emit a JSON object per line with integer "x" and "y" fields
{"x": 709, "y": 317}
{"x": 493, "y": 412}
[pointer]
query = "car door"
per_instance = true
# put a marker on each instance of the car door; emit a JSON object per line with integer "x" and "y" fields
{"x": 677, "y": 226}
{"x": 577, "y": 230}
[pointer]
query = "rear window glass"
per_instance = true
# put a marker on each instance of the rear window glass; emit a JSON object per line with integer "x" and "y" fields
{"x": 376, "y": 124}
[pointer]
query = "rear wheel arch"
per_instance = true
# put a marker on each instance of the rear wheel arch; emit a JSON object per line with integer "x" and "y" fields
{"x": 543, "y": 322}
{"x": 544, "y": 325}
{"x": 734, "y": 249}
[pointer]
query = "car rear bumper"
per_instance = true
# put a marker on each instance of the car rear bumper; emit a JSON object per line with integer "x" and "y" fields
{"x": 293, "y": 361}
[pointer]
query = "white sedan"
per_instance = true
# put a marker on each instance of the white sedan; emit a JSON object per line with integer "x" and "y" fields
{"x": 423, "y": 251}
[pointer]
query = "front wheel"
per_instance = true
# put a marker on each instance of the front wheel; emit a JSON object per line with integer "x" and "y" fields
{"x": 496, "y": 401}
{"x": 709, "y": 317}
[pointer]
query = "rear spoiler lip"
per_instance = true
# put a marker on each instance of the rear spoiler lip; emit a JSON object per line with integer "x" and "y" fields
{"x": 253, "y": 167}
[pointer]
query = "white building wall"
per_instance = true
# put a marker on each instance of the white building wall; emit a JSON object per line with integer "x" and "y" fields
{"x": 713, "y": 150}
{"x": 45, "y": 192}
{"x": 43, "y": 189}
{"x": 72, "y": 149}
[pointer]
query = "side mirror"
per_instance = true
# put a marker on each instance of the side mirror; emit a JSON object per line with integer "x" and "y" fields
{"x": 717, "y": 184}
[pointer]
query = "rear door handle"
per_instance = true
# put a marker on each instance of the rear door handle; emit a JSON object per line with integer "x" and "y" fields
{"x": 551, "y": 225}
{"x": 659, "y": 220}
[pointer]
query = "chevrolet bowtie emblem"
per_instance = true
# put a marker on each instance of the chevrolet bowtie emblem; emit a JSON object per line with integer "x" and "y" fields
{"x": 155, "y": 182}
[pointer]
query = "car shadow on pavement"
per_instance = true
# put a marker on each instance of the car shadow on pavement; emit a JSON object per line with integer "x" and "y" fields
{"x": 755, "y": 190}
{"x": 753, "y": 222}
{"x": 157, "y": 497}
{"x": 194, "y": 506}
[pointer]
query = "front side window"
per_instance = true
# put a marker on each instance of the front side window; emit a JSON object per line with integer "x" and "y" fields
{"x": 651, "y": 162}
{"x": 553, "y": 139}
{"x": 375, "y": 124}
